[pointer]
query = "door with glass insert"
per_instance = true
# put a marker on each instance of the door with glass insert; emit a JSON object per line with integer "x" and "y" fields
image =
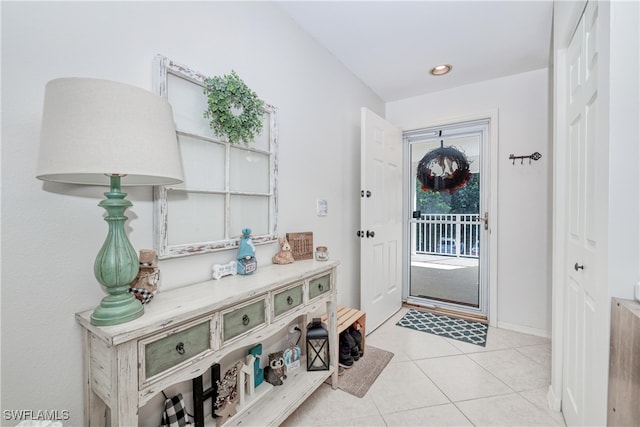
{"x": 447, "y": 218}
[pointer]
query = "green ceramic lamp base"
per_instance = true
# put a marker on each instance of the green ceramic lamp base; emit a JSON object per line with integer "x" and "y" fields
{"x": 116, "y": 264}
{"x": 112, "y": 311}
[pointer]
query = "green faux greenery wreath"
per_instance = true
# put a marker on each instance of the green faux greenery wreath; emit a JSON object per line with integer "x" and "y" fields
{"x": 226, "y": 93}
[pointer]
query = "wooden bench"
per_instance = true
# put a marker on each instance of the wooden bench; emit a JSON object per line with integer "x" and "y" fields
{"x": 350, "y": 316}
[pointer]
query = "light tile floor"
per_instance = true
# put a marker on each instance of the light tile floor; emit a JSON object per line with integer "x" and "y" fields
{"x": 435, "y": 381}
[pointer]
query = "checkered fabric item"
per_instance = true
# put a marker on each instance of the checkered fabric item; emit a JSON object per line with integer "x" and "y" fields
{"x": 142, "y": 294}
{"x": 445, "y": 326}
{"x": 175, "y": 414}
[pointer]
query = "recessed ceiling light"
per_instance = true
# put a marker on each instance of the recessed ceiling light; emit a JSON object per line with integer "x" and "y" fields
{"x": 441, "y": 70}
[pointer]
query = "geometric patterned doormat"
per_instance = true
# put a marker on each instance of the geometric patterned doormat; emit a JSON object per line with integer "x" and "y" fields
{"x": 445, "y": 326}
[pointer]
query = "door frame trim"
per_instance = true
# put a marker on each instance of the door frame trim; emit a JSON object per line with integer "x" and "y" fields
{"x": 492, "y": 116}
{"x": 559, "y": 230}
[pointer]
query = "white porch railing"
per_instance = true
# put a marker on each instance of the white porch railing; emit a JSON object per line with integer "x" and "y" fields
{"x": 447, "y": 234}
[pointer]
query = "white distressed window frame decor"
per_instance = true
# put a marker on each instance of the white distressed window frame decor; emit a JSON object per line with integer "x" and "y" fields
{"x": 163, "y": 68}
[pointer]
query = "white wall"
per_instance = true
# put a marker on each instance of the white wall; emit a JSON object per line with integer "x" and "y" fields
{"x": 523, "y": 227}
{"x": 51, "y": 233}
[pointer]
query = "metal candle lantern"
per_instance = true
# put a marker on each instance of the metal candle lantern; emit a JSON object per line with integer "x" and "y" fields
{"x": 317, "y": 346}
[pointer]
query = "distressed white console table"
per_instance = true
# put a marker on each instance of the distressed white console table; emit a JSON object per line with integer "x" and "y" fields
{"x": 184, "y": 331}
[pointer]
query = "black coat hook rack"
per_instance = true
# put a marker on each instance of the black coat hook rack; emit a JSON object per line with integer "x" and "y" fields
{"x": 535, "y": 156}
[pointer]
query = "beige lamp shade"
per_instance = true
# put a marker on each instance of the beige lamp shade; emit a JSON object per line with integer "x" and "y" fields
{"x": 93, "y": 128}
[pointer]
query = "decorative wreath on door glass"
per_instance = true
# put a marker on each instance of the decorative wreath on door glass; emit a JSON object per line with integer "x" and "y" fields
{"x": 234, "y": 110}
{"x": 443, "y": 169}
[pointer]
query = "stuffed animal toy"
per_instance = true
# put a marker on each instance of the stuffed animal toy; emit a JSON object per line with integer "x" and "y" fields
{"x": 145, "y": 285}
{"x": 246, "y": 260}
{"x": 274, "y": 373}
{"x": 284, "y": 256}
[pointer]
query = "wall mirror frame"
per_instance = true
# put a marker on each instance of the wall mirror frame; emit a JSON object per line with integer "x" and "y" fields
{"x": 227, "y": 186}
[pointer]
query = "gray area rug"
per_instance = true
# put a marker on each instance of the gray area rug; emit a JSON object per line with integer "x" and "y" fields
{"x": 360, "y": 377}
{"x": 446, "y": 326}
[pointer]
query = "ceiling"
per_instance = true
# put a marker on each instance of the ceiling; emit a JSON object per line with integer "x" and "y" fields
{"x": 392, "y": 45}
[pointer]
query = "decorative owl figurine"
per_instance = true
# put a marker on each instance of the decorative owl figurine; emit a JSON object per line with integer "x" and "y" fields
{"x": 274, "y": 373}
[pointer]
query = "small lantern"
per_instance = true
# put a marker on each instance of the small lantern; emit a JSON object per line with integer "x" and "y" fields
{"x": 317, "y": 346}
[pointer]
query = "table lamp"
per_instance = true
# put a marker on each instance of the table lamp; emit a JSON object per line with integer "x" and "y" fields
{"x": 99, "y": 132}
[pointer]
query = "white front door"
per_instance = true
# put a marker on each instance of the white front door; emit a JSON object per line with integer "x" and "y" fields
{"x": 585, "y": 302}
{"x": 380, "y": 219}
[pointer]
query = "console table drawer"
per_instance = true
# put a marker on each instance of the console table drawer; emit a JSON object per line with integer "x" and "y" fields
{"x": 170, "y": 351}
{"x": 243, "y": 319}
{"x": 287, "y": 300}
{"x": 319, "y": 286}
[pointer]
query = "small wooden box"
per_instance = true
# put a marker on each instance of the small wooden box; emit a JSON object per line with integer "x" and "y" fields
{"x": 301, "y": 245}
{"x": 348, "y": 316}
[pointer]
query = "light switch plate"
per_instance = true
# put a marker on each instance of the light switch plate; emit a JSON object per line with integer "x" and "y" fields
{"x": 322, "y": 207}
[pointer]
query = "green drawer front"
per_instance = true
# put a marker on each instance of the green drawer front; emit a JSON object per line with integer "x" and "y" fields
{"x": 174, "y": 349}
{"x": 286, "y": 300}
{"x": 243, "y": 319}
{"x": 319, "y": 286}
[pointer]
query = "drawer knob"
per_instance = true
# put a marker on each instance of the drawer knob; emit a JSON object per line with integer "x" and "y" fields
{"x": 289, "y": 300}
{"x": 180, "y": 348}
{"x": 320, "y": 287}
{"x": 245, "y": 320}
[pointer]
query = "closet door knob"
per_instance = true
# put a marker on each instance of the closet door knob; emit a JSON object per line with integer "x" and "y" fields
{"x": 578, "y": 267}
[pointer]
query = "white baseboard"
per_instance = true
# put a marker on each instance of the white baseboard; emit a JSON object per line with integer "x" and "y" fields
{"x": 555, "y": 402}
{"x": 524, "y": 329}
